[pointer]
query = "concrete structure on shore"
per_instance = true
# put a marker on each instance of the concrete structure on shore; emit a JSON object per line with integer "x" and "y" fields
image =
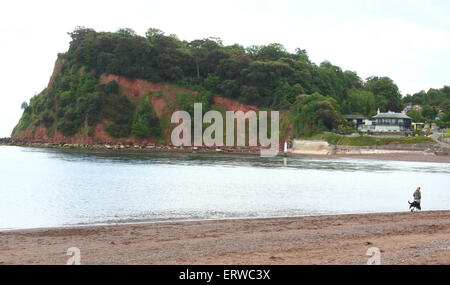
{"x": 314, "y": 147}
{"x": 321, "y": 147}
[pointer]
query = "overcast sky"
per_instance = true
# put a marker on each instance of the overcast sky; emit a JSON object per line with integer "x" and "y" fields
{"x": 408, "y": 41}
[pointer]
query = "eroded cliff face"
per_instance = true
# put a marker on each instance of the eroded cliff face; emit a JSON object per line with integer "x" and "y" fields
{"x": 233, "y": 105}
{"x": 133, "y": 89}
{"x": 58, "y": 65}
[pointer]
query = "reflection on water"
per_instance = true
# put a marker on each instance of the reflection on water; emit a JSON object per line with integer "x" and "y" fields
{"x": 46, "y": 187}
{"x": 223, "y": 160}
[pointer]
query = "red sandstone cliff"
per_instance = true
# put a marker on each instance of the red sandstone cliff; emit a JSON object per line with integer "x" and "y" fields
{"x": 131, "y": 88}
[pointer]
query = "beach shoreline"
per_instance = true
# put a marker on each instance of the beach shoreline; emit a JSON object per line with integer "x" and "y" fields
{"x": 416, "y": 156}
{"x": 403, "y": 238}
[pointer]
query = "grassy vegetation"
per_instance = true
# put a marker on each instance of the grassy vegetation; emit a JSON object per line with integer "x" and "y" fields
{"x": 447, "y": 133}
{"x": 335, "y": 139}
{"x": 366, "y": 140}
{"x": 329, "y": 137}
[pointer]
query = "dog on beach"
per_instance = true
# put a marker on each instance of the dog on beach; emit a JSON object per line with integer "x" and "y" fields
{"x": 414, "y": 206}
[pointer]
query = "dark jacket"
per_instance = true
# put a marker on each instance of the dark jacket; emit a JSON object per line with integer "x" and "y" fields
{"x": 417, "y": 195}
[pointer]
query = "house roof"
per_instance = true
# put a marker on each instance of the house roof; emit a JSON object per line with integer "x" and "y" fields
{"x": 353, "y": 117}
{"x": 391, "y": 115}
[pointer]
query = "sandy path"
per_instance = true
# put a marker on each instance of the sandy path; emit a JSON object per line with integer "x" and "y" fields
{"x": 403, "y": 238}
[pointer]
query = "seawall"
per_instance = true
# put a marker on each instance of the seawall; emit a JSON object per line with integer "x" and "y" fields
{"x": 320, "y": 147}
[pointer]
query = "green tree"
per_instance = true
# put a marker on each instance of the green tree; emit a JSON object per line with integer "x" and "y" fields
{"x": 212, "y": 82}
{"x": 47, "y": 120}
{"x": 249, "y": 94}
{"x": 315, "y": 113}
{"x": 429, "y": 112}
{"x": 286, "y": 93}
{"x": 271, "y": 52}
{"x": 146, "y": 123}
{"x": 387, "y": 94}
{"x": 153, "y": 35}
{"x": 126, "y": 32}
{"x": 329, "y": 80}
{"x": 446, "y": 114}
{"x": 298, "y": 89}
{"x": 112, "y": 87}
{"x": 361, "y": 101}
{"x": 415, "y": 115}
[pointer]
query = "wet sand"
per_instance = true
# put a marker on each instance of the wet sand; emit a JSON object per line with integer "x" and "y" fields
{"x": 419, "y": 157}
{"x": 403, "y": 238}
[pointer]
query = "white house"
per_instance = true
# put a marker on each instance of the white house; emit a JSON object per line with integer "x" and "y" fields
{"x": 389, "y": 122}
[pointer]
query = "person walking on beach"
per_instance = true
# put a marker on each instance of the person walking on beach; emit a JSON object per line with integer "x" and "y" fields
{"x": 417, "y": 197}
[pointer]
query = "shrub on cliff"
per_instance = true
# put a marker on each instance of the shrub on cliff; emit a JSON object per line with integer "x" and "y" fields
{"x": 119, "y": 111}
{"x": 47, "y": 120}
{"x": 146, "y": 123}
{"x": 71, "y": 122}
{"x": 112, "y": 87}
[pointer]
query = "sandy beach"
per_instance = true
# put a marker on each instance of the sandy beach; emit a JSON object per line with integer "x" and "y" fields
{"x": 402, "y": 238}
{"x": 418, "y": 157}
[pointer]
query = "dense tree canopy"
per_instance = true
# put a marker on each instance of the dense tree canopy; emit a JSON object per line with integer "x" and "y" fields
{"x": 266, "y": 76}
{"x": 416, "y": 115}
{"x": 434, "y": 97}
{"x": 315, "y": 113}
{"x": 435, "y": 103}
{"x": 387, "y": 94}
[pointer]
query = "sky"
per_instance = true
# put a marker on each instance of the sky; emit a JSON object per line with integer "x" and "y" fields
{"x": 409, "y": 41}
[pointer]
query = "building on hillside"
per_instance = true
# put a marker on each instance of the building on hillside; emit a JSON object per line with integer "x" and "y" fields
{"x": 357, "y": 119}
{"x": 410, "y": 106}
{"x": 389, "y": 122}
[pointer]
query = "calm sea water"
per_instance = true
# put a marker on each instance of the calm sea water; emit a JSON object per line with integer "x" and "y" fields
{"x": 46, "y": 188}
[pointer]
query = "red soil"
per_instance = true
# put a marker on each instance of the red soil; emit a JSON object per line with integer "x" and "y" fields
{"x": 99, "y": 137}
{"x": 58, "y": 65}
{"x": 159, "y": 105}
{"x": 233, "y": 105}
{"x": 133, "y": 87}
{"x": 136, "y": 88}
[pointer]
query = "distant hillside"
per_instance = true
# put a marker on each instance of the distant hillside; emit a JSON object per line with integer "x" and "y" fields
{"x": 121, "y": 87}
